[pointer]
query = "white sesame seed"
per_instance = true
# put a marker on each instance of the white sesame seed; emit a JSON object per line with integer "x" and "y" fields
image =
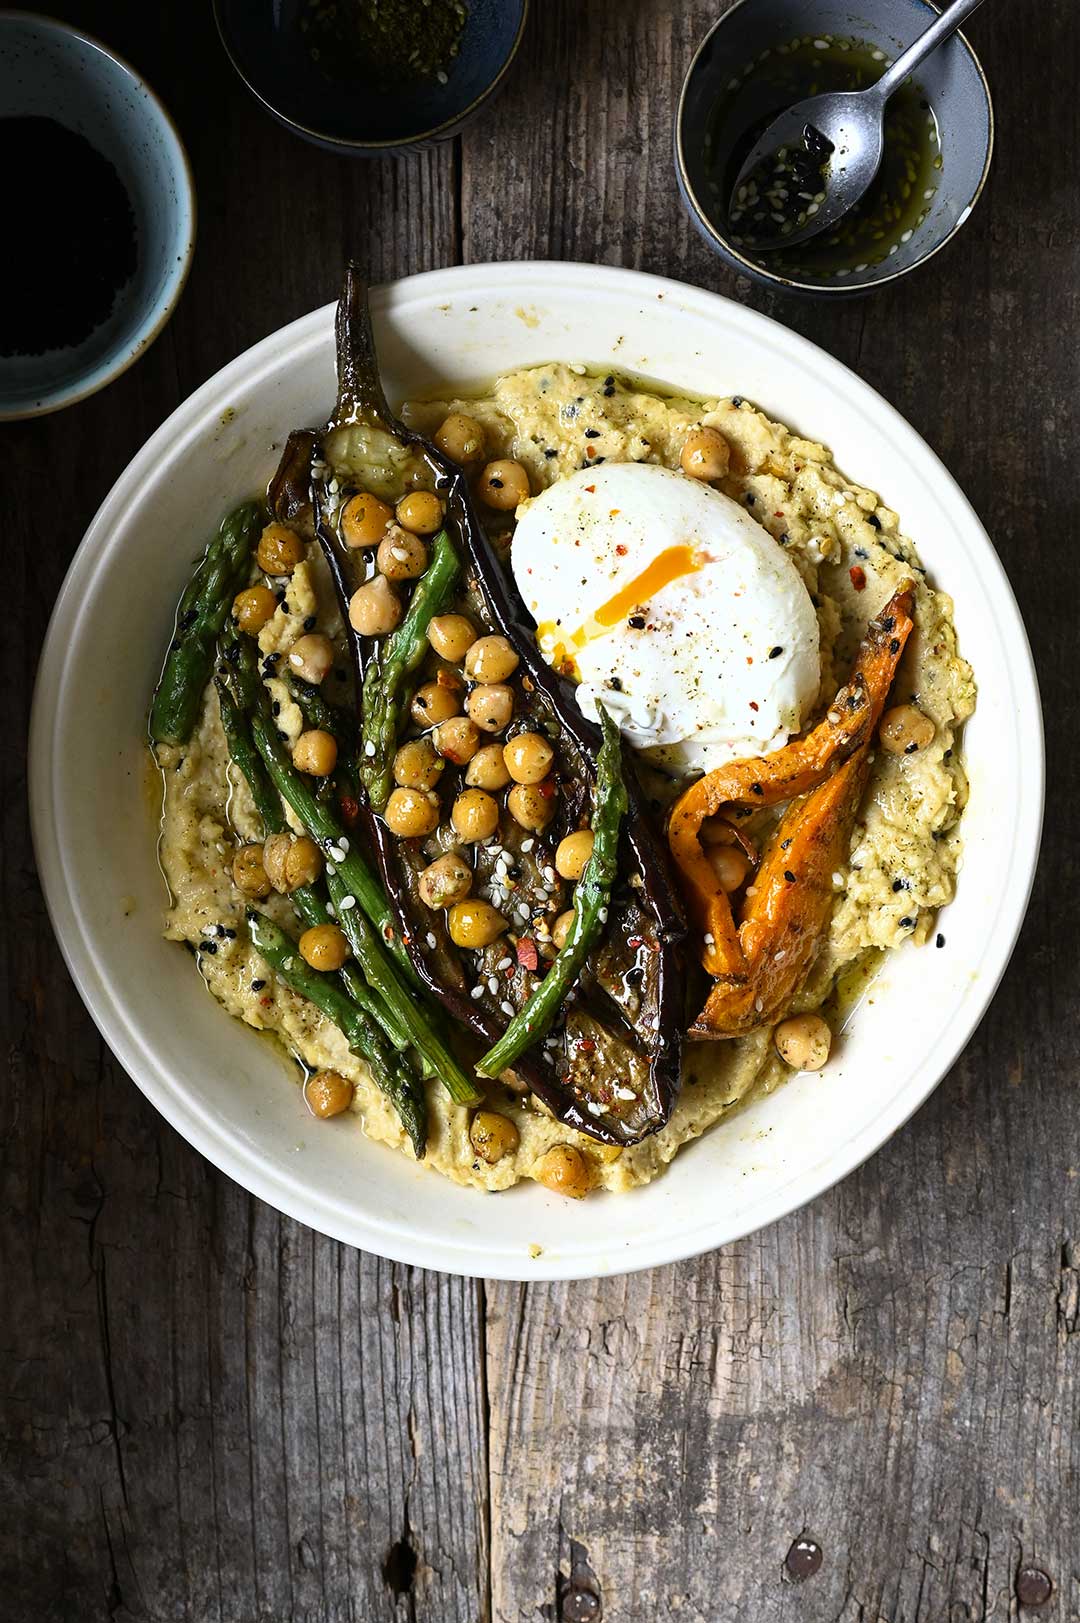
{"x": 905, "y": 236}
{"x": 331, "y": 909}
{"x": 504, "y": 963}
{"x": 527, "y": 845}
{"x": 399, "y": 553}
{"x": 477, "y": 991}
{"x": 758, "y": 1004}
{"x": 348, "y": 903}
{"x": 709, "y": 939}
{"x": 593, "y": 1108}
{"x": 493, "y": 985}
{"x": 430, "y": 939}
{"x": 625, "y": 1093}
{"x": 602, "y": 915}
{"x": 337, "y": 852}
{"x": 369, "y": 748}
{"x": 331, "y": 870}
{"x": 343, "y": 842}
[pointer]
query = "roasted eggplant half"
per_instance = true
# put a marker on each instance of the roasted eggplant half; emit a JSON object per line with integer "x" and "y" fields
{"x": 476, "y": 764}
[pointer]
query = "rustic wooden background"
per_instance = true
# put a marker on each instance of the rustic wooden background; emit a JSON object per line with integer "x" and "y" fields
{"x": 209, "y": 1412}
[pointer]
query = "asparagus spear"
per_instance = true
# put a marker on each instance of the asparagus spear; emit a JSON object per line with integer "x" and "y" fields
{"x": 397, "y": 998}
{"x": 306, "y": 899}
{"x": 591, "y": 897}
{"x": 386, "y": 681}
{"x": 200, "y": 617}
{"x": 363, "y": 1036}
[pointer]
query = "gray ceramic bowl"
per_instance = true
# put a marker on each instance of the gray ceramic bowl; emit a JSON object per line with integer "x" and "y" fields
{"x": 50, "y": 70}
{"x": 952, "y": 80}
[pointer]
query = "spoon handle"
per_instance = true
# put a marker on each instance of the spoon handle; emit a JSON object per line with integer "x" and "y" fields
{"x": 908, "y": 60}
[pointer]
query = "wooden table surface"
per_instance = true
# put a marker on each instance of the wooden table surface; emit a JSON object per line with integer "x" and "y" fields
{"x": 209, "y": 1412}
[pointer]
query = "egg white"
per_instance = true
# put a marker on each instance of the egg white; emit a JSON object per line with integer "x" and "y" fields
{"x": 717, "y": 660}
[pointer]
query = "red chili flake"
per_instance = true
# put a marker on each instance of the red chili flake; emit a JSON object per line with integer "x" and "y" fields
{"x": 778, "y": 513}
{"x": 350, "y": 809}
{"x": 749, "y": 659}
{"x": 266, "y": 1002}
{"x": 620, "y": 550}
{"x": 547, "y": 788}
{"x": 586, "y": 1045}
{"x": 635, "y": 941}
{"x": 591, "y": 489}
{"x": 590, "y": 450}
{"x": 527, "y": 955}
{"x": 753, "y": 705}
{"x": 614, "y": 512}
{"x": 858, "y": 577}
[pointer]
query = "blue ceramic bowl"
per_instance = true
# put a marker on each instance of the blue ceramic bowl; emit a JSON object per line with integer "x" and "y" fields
{"x": 265, "y": 46}
{"x": 951, "y": 79}
{"x": 50, "y": 70}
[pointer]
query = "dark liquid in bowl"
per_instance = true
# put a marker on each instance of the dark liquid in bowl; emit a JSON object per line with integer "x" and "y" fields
{"x": 896, "y": 203}
{"x": 70, "y": 237}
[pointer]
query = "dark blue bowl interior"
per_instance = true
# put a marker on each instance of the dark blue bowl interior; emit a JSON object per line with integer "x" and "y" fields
{"x": 264, "y": 40}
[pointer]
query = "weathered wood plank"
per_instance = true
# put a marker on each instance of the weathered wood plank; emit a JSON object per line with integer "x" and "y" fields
{"x": 892, "y": 1371}
{"x": 207, "y": 1411}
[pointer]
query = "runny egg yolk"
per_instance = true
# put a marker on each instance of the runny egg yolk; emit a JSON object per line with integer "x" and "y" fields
{"x": 669, "y": 565}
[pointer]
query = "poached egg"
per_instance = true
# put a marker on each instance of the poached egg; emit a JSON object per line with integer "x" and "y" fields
{"x": 673, "y": 608}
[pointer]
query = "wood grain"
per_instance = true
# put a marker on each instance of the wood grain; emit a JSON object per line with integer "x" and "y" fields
{"x": 207, "y": 1412}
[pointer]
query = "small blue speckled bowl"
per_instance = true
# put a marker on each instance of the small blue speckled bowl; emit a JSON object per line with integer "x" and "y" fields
{"x": 953, "y": 82}
{"x": 49, "y": 70}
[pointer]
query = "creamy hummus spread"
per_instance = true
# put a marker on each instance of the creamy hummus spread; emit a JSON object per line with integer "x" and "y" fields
{"x": 905, "y": 851}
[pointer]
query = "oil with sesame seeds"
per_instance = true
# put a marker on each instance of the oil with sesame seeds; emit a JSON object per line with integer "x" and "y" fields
{"x": 894, "y": 206}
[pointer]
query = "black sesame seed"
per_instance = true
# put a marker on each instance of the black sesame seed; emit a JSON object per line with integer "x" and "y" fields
{"x": 888, "y": 623}
{"x": 496, "y": 484}
{"x": 309, "y": 623}
{"x": 637, "y": 621}
{"x": 187, "y": 619}
{"x": 208, "y": 946}
{"x": 756, "y": 789}
{"x": 900, "y": 884}
{"x": 907, "y": 924}
{"x": 276, "y": 708}
{"x": 909, "y": 749}
{"x": 749, "y": 499}
{"x": 861, "y": 552}
{"x": 789, "y": 876}
{"x": 592, "y": 433}
{"x": 736, "y": 400}
{"x": 609, "y": 380}
{"x": 615, "y": 684}
{"x": 774, "y": 653}
{"x": 609, "y": 390}
{"x": 940, "y": 942}
{"x": 257, "y": 986}
{"x": 785, "y": 845}
{"x": 550, "y": 453}
{"x": 873, "y": 520}
{"x": 784, "y": 539}
{"x": 230, "y": 935}
{"x": 894, "y": 645}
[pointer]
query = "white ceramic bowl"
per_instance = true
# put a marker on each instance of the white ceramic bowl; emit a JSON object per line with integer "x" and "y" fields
{"x": 228, "y": 1092}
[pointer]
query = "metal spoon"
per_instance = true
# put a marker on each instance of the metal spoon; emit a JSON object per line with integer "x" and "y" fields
{"x": 839, "y": 138}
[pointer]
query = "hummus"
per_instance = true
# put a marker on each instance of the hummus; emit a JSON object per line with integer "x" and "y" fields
{"x": 905, "y": 851}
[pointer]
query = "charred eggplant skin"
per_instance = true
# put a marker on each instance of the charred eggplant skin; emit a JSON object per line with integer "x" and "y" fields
{"x": 361, "y": 398}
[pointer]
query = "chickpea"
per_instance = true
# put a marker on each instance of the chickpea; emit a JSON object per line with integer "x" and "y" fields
{"x": 291, "y": 862}
{"x": 401, "y": 556}
{"x": 475, "y": 815}
{"x": 249, "y": 874}
{"x": 572, "y": 856}
{"x": 363, "y": 520}
{"x": 503, "y": 485}
{"x": 528, "y": 757}
{"x": 420, "y": 511}
{"x": 565, "y": 1171}
{"x": 279, "y": 551}
{"x": 316, "y": 752}
{"x": 418, "y": 765}
{"x": 491, "y": 706}
{"x": 706, "y": 454}
{"x": 460, "y": 438}
{"x": 311, "y": 657}
{"x": 253, "y": 607}
{"x": 324, "y": 947}
{"x": 458, "y": 739}
{"x": 445, "y": 881}
{"x": 451, "y": 635}
{"x": 375, "y": 608}
{"x": 491, "y": 659}
{"x": 487, "y": 769}
{"x": 532, "y": 804}
{"x": 561, "y": 928}
{"x": 803, "y": 1042}
{"x": 729, "y": 864}
{"x": 905, "y": 729}
{"x": 492, "y": 1136}
{"x": 327, "y": 1094}
{"x": 474, "y": 923}
{"x": 434, "y": 703}
{"x": 411, "y": 813}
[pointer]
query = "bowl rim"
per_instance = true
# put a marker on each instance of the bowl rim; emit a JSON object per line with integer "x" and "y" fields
{"x": 339, "y": 143}
{"x": 177, "y": 279}
{"x": 709, "y": 230}
{"x": 304, "y": 1200}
